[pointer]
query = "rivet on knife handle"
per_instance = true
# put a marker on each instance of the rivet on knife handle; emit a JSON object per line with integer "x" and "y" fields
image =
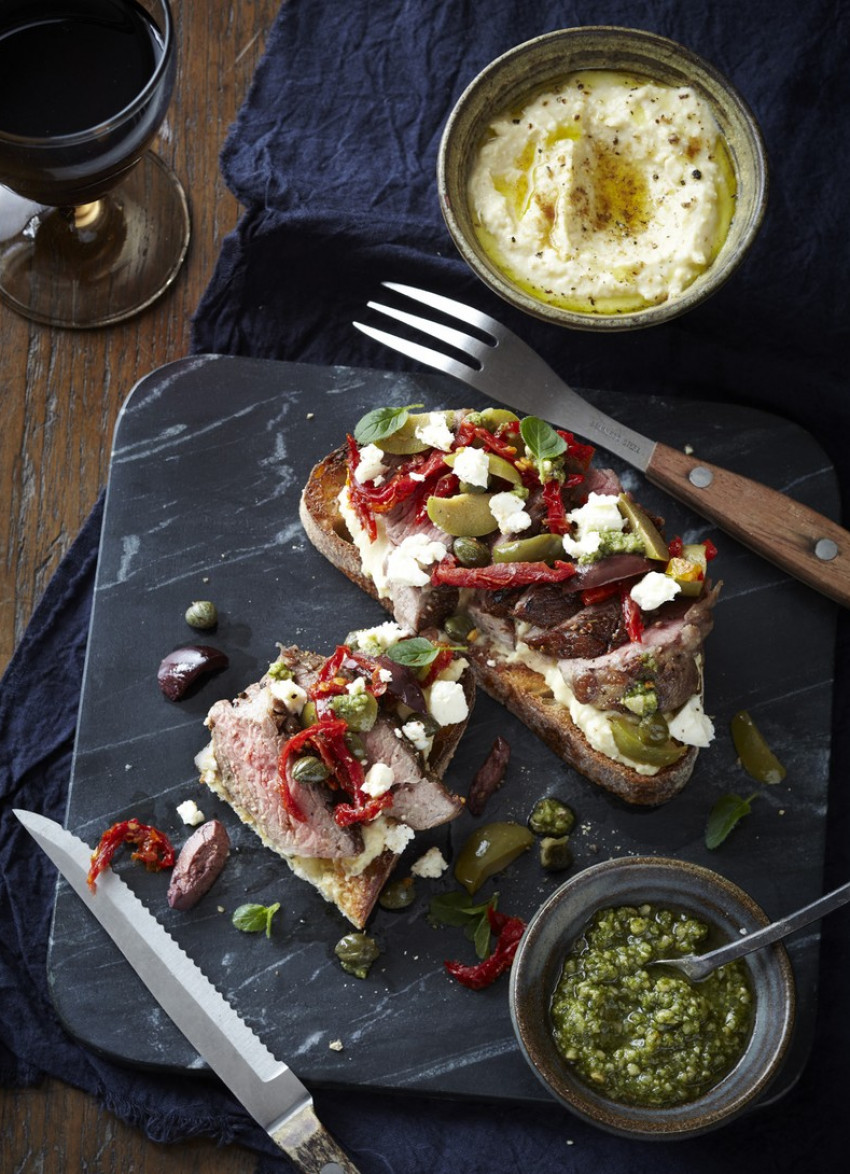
{"x": 788, "y": 534}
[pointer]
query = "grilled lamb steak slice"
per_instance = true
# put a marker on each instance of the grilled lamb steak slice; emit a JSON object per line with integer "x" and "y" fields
{"x": 592, "y": 632}
{"x": 419, "y": 800}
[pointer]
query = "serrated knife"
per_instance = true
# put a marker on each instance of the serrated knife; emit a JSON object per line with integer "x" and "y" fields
{"x": 269, "y": 1090}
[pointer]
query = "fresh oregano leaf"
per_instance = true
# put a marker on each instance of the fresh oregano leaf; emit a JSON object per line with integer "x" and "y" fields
{"x": 415, "y": 653}
{"x": 255, "y": 918}
{"x": 724, "y": 816}
{"x": 381, "y": 423}
{"x": 541, "y": 440}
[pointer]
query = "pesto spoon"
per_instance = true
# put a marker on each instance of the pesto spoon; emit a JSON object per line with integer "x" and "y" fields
{"x": 697, "y": 967}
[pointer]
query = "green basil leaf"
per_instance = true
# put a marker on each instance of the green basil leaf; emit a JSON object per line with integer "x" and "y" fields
{"x": 255, "y": 918}
{"x": 724, "y": 816}
{"x": 381, "y": 423}
{"x": 415, "y": 653}
{"x": 541, "y": 439}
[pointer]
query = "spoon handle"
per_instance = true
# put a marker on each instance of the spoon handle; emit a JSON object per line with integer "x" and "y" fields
{"x": 776, "y": 930}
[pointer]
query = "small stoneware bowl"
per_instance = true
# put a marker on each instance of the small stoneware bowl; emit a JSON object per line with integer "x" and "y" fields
{"x": 539, "y": 64}
{"x": 665, "y": 883}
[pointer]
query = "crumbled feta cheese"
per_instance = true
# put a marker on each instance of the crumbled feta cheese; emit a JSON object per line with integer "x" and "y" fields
{"x": 336, "y": 1045}
{"x": 406, "y": 562}
{"x": 293, "y": 697}
{"x": 397, "y": 836}
{"x": 436, "y": 433}
{"x": 375, "y": 641}
{"x": 385, "y": 675}
{"x": 472, "y": 465}
{"x": 582, "y": 547}
{"x": 379, "y": 779}
{"x": 371, "y": 464}
{"x": 431, "y": 865}
{"x": 600, "y": 512}
{"x": 414, "y": 731}
{"x": 447, "y": 702}
{"x": 509, "y": 512}
{"x": 190, "y": 813}
{"x": 358, "y": 685}
{"x": 691, "y": 724}
{"x": 654, "y": 589}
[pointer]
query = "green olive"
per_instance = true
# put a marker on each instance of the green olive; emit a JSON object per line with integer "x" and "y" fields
{"x": 642, "y": 525}
{"x": 465, "y": 514}
{"x": 309, "y": 715}
{"x": 493, "y": 418}
{"x": 404, "y": 440}
{"x": 471, "y": 552}
{"x": 496, "y": 466}
{"x": 309, "y": 769}
{"x": 630, "y": 744}
{"x": 653, "y": 730}
{"x": 551, "y": 817}
{"x": 555, "y": 853}
{"x": 356, "y": 953}
{"x": 359, "y": 710}
{"x": 541, "y": 548}
{"x": 458, "y": 626}
{"x": 202, "y": 614}
{"x": 398, "y": 894}
{"x": 488, "y": 850}
{"x": 756, "y": 757}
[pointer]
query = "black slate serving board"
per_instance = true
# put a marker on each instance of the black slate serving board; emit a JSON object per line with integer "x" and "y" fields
{"x": 209, "y": 459}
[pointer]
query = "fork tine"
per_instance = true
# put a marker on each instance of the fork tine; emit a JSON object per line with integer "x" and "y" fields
{"x": 448, "y": 306}
{"x": 474, "y": 347}
{"x": 423, "y": 354}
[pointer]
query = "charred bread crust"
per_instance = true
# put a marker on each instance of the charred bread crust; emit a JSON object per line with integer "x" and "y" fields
{"x": 521, "y": 690}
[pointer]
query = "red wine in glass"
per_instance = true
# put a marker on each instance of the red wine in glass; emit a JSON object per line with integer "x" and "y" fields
{"x": 88, "y": 233}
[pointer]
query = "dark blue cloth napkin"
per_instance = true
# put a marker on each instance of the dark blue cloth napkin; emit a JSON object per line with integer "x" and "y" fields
{"x": 333, "y": 157}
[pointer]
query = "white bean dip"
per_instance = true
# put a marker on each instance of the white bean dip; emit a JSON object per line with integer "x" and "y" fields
{"x": 605, "y": 194}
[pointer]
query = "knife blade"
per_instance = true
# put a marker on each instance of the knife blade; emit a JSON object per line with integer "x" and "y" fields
{"x": 799, "y": 540}
{"x": 268, "y": 1089}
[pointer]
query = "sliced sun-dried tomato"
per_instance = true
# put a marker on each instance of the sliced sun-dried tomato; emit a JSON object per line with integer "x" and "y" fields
{"x": 483, "y": 974}
{"x": 154, "y": 849}
{"x": 500, "y": 575}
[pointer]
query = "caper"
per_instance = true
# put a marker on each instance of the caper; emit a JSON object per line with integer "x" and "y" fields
{"x": 551, "y": 817}
{"x": 309, "y": 714}
{"x": 398, "y": 894}
{"x": 356, "y": 953}
{"x": 355, "y": 744}
{"x": 488, "y": 850}
{"x": 555, "y": 853}
{"x": 540, "y": 548}
{"x": 463, "y": 514}
{"x": 309, "y": 769}
{"x": 202, "y": 614}
{"x": 629, "y": 744}
{"x": 359, "y": 710}
{"x": 458, "y": 626}
{"x": 471, "y": 552}
{"x": 756, "y": 757}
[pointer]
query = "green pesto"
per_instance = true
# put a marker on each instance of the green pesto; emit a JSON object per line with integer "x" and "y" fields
{"x": 644, "y": 1036}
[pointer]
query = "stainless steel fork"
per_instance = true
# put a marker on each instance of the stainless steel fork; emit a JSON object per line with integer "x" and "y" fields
{"x": 799, "y": 540}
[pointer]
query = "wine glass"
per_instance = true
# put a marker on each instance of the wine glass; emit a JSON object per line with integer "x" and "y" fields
{"x": 93, "y": 227}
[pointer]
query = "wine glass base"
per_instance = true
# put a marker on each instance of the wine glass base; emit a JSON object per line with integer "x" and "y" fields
{"x": 99, "y": 264}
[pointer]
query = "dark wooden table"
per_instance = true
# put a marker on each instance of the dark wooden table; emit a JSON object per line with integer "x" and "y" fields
{"x": 61, "y": 392}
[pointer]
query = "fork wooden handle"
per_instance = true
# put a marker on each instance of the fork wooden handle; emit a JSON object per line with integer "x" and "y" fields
{"x": 794, "y": 537}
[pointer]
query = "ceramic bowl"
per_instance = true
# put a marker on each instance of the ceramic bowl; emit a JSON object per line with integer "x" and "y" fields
{"x": 662, "y": 882}
{"x": 541, "y": 62}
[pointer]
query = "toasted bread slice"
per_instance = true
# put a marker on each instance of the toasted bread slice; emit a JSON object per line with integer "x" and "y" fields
{"x": 516, "y": 685}
{"x": 347, "y": 861}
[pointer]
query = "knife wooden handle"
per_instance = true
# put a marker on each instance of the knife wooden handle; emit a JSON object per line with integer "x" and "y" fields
{"x": 797, "y": 539}
{"x": 309, "y": 1146}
